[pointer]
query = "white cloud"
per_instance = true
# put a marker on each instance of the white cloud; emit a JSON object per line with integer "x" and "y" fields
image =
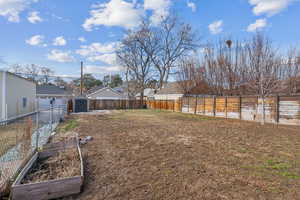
{"x": 94, "y": 69}
{"x": 33, "y": 17}
{"x": 99, "y": 52}
{"x": 160, "y": 9}
{"x": 60, "y": 56}
{"x": 216, "y": 27}
{"x": 269, "y": 7}
{"x": 59, "y": 41}
{"x": 114, "y": 13}
{"x": 11, "y": 9}
{"x": 105, "y": 58}
{"x": 82, "y": 39}
{"x": 258, "y": 25}
{"x": 36, "y": 40}
{"x": 192, "y": 5}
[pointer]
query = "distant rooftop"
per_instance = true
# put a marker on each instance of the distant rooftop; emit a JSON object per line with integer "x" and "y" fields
{"x": 94, "y": 89}
{"x": 171, "y": 88}
{"x": 51, "y": 90}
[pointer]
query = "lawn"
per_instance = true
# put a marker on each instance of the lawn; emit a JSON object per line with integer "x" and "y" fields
{"x": 164, "y": 155}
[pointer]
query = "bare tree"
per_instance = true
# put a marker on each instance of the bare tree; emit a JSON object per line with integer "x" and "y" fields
{"x": 32, "y": 72}
{"x": 166, "y": 44}
{"x": 45, "y": 74}
{"x": 136, "y": 61}
{"x": 264, "y": 68}
{"x": 292, "y": 71}
{"x": 224, "y": 68}
{"x": 186, "y": 75}
{"x": 16, "y": 69}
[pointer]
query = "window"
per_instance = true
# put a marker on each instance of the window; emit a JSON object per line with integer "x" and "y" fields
{"x": 24, "y": 101}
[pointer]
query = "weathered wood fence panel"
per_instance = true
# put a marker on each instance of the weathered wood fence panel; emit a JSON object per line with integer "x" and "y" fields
{"x": 200, "y": 106}
{"x": 233, "y": 107}
{"x": 283, "y": 110}
{"x": 249, "y": 108}
{"x": 221, "y": 107}
{"x": 107, "y": 104}
{"x": 289, "y": 110}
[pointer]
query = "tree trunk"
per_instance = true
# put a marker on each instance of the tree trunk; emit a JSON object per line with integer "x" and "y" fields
{"x": 142, "y": 99}
{"x": 263, "y": 119}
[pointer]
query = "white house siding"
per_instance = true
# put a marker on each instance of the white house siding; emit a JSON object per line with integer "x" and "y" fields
{"x": 44, "y": 102}
{"x": 167, "y": 96}
{"x": 1, "y": 96}
{"x": 16, "y": 89}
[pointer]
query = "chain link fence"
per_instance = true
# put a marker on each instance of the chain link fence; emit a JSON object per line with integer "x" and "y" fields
{"x": 20, "y": 138}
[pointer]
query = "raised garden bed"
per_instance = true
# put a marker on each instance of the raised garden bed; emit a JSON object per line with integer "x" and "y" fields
{"x": 54, "y": 172}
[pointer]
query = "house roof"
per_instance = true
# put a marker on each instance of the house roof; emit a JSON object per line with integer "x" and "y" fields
{"x": 171, "y": 88}
{"x": 94, "y": 89}
{"x": 51, "y": 90}
{"x": 104, "y": 92}
{"x": 148, "y": 92}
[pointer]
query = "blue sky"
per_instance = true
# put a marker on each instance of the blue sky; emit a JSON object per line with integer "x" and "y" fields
{"x": 48, "y": 32}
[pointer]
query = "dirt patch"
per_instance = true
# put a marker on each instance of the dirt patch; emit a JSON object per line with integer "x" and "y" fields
{"x": 64, "y": 165}
{"x": 165, "y": 155}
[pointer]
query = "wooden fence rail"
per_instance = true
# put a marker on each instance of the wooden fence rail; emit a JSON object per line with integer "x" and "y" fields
{"x": 278, "y": 109}
{"x": 96, "y": 104}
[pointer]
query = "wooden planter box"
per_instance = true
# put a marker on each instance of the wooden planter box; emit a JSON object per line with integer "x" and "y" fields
{"x": 53, "y": 188}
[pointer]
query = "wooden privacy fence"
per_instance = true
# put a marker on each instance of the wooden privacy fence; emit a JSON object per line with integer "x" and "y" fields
{"x": 112, "y": 104}
{"x": 278, "y": 109}
{"x": 165, "y": 105}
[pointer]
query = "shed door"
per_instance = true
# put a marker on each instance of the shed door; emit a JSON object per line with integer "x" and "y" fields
{"x": 81, "y": 105}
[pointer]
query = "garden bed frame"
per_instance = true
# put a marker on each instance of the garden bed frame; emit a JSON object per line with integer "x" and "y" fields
{"x": 53, "y": 188}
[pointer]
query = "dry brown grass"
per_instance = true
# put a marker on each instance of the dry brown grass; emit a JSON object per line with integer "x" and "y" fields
{"x": 64, "y": 165}
{"x": 19, "y": 132}
{"x": 164, "y": 155}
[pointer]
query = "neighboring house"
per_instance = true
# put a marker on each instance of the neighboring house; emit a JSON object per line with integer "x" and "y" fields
{"x": 170, "y": 91}
{"x": 148, "y": 94}
{"x": 106, "y": 93}
{"x": 17, "y": 96}
{"x": 46, "y": 93}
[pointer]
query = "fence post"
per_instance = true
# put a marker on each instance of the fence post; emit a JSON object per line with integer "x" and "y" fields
{"x": 277, "y": 108}
{"x": 160, "y": 104}
{"x": 240, "y": 107}
{"x": 226, "y": 112}
{"x": 214, "y": 106}
{"x": 51, "y": 116}
{"x": 203, "y": 105}
{"x": 37, "y": 130}
{"x": 181, "y": 104}
{"x": 174, "y": 101}
{"x": 188, "y": 98}
{"x": 196, "y": 105}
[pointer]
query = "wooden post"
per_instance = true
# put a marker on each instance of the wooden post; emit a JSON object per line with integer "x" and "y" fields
{"x": 240, "y": 107}
{"x": 188, "y": 104}
{"x": 196, "y": 105}
{"x": 277, "y": 109}
{"x": 204, "y": 105}
{"x": 159, "y": 104}
{"x": 226, "y": 112}
{"x": 181, "y": 104}
{"x": 174, "y": 101}
{"x": 214, "y": 106}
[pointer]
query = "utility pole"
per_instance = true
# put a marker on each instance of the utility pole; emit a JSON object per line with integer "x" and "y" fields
{"x": 81, "y": 79}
